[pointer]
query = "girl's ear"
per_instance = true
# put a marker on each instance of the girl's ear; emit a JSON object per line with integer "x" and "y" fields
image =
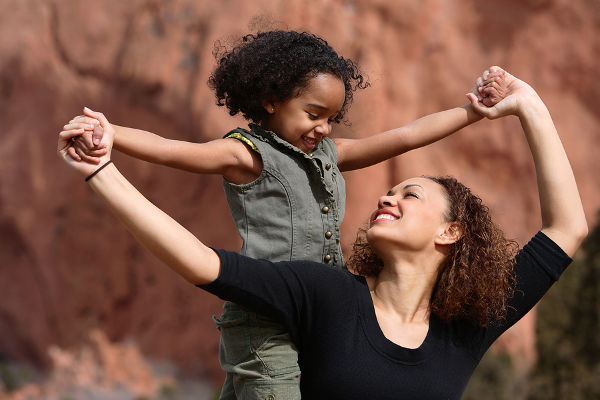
{"x": 451, "y": 234}
{"x": 270, "y": 106}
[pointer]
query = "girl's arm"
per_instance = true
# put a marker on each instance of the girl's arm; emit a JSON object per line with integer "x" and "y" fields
{"x": 158, "y": 232}
{"x": 355, "y": 154}
{"x": 563, "y": 219}
{"x": 227, "y": 157}
{"x": 361, "y": 153}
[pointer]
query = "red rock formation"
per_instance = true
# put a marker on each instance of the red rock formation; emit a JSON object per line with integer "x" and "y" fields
{"x": 67, "y": 267}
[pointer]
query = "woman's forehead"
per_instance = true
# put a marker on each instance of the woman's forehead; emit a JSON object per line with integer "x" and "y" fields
{"x": 418, "y": 183}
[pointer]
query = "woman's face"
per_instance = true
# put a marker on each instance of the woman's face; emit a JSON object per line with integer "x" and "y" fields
{"x": 304, "y": 120}
{"x": 411, "y": 216}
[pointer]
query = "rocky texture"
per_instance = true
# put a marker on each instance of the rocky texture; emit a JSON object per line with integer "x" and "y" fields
{"x": 67, "y": 267}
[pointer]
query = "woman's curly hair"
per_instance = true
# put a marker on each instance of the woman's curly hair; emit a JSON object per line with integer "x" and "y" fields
{"x": 477, "y": 278}
{"x": 277, "y": 65}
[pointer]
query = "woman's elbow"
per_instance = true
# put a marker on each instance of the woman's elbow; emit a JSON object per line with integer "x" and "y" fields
{"x": 581, "y": 232}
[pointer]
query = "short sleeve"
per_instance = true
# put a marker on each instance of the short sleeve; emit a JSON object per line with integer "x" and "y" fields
{"x": 291, "y": 292}
{"x": 538, "y": 265}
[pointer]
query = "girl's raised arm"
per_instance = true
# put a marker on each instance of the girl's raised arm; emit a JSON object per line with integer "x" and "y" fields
{"x": 229, "y": 158}
{"x": 563, "y": 219}
{"x": 360, "y": 153}
{"x": 158, "y": 232}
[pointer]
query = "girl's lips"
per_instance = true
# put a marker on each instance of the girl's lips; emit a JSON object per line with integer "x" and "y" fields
{"x": 309, "y": 143}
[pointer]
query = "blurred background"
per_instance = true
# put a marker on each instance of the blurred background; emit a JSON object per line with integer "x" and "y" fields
{"x": 86, "y": 313}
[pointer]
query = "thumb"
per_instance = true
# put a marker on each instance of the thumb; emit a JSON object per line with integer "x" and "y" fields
{"x": 99, "y": 116}
{"x": 477, "y": 106}
{"x": 97, "y": 135}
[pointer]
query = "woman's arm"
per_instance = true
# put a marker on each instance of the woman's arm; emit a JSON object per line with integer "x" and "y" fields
{"x": 158, "y": 232}
{"x": 226, "y": 157}
{"x": 563, "y": 219}
{"x": 361, "y": 153}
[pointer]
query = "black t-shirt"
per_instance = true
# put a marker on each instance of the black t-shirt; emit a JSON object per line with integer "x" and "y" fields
{"x": 343, "y": 353}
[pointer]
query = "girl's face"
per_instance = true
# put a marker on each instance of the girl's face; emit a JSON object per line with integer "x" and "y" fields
{"x": 304, "y": 120}
{"x": 411, "y": 216}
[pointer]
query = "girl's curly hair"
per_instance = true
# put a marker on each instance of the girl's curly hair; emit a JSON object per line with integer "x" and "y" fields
{"x": 477, "y": 278}
{"x": 277, "y": 65}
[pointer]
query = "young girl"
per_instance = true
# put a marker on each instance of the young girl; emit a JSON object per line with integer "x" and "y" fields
{"x": 282, "y": 176}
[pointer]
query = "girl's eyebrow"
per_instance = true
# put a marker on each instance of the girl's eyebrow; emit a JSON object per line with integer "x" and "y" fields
{"x": 317, "y": 106}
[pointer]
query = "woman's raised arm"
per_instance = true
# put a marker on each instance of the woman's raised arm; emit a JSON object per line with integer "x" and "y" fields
{"x": 158, "y": 232}
{"x": 563, "y": 219}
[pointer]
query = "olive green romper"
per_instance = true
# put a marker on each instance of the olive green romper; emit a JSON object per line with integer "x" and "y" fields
{"x": 292, "y": 211}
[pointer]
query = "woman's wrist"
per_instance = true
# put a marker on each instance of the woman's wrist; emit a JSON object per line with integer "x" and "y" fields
{"x": 97, "y": 170}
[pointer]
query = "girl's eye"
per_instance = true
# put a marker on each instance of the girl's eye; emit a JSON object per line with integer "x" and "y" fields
{"x": 411, "y": 194}
{"x": 312, "y": 116}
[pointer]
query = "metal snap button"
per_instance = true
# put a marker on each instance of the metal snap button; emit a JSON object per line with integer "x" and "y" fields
{"x": 328, "y": 234}
{"x": 327, "y": 258}
{"x": 328, "y": 167}
{"x": 325, "y": 209}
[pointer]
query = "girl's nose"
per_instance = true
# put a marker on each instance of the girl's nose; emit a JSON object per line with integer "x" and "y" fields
{"x": 324, "y": 128}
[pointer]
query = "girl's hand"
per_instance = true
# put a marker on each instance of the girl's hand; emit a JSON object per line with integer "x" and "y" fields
{"x": 74, "y": 130}
{"x": 507, "y": 94}
{"x": 84, "y": 149}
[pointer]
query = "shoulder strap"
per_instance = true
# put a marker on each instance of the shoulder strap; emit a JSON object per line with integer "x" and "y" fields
{"x": 240, "y": 137}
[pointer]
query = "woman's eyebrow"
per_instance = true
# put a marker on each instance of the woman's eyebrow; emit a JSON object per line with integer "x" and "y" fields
{"x": 412, "y": 185}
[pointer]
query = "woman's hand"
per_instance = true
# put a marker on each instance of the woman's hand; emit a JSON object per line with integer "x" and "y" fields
{"x": 511, "y": 94}
{"x": 88, "y": 146}
{"x": 75, "y": 129}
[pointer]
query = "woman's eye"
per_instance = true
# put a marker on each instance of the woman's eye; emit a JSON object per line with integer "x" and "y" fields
{"x": 411, "y": 194}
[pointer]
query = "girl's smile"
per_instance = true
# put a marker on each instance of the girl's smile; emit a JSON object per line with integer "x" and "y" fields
{"x": 304, "y": 120}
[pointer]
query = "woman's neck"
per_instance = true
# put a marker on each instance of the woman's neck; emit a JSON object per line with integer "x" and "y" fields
{"x": 404, "y": 287}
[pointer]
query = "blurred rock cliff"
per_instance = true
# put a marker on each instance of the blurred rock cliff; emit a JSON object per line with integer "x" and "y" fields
{"x": 68, "y": 268}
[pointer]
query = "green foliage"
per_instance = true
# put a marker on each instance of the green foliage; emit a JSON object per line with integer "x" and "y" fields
{"x": 568, "y": 341}
{"x": 13, "y": 376}
{"x": 568, "y": 334}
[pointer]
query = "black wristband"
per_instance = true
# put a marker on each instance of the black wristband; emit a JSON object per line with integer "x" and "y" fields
{"x": 90, "y": 176}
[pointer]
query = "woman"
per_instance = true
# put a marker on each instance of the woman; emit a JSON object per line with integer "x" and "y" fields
{"x": 420, "y": 321}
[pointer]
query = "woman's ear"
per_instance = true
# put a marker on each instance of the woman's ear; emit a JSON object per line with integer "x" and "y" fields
{"x": 451, "y": 234}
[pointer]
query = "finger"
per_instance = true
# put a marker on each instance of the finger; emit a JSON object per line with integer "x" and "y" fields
{"x": 90, "y": 151}
{"x": 79, "y": 125}
{"x": 490, "y": 90}
{"x": 490, "y": 100}
{"x": 64, "y": 138}
{"x": 86, "y": 157}
{"x": 97, "y": 115}
{"x": 85, "y": 120}
{"x": 485, "y": 74}
{"x": 478, "y": 106}
{"x": 491, "y": 79}
{"x": 495, "y": 69}
{"x": 73, "y": 154}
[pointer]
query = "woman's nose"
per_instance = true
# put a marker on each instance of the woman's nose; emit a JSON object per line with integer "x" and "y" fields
{"x": 386, "y": 201}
